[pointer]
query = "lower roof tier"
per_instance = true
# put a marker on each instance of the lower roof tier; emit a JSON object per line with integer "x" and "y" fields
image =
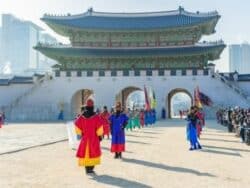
{"x": 72, "y": 58}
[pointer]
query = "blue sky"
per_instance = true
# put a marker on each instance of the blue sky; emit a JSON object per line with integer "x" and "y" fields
{"x": 234, "y": 26}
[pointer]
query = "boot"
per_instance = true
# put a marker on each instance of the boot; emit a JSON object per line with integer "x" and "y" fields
{"x": 116, "y": 155}
{"x": 120, "y": 155}
{"x": 89, "y": 169}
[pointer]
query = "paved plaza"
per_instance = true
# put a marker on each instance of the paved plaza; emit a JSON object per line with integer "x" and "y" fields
{"x": 38, "y": 155}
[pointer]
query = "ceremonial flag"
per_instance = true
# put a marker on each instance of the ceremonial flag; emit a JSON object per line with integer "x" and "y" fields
{"x": 197, "y": 101}
{"x": 147, "y": 105}
{"x": 205, "y": 100}
{"x": 153, "y": 100}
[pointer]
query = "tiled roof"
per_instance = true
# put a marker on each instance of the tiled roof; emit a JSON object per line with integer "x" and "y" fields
{"x": 132, "y": 21}
{"x": 132, "y": 52}
{"x": 4, "y": 82}
{"x": 21, "y": 80}
{"x": 16, "y": 80}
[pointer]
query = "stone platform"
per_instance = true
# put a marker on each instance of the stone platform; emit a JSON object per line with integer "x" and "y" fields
{"x": 38, "y": 155}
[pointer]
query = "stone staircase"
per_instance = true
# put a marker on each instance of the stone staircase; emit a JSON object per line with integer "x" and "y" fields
{"x": 233, "y": 87}
{"x": 16, "y": 102}
{"x": 210, "y": 111}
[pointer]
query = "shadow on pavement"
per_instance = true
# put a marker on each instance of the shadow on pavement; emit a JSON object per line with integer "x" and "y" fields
{"x": 119, "y": 182}
{"x": 136, "y": 142}
{"x": 33, "y": 147}
{"x": 108, "y": 149}
{"x": 166, "y": 167}
{"x": 171, "y": 123}
{"x": 148, "y": 132}
{"x": 220, "y": 152}
{"x": 130, "y": 135}
{"x": 211, "y": 134}
{"x": 220, "y": 140}
{"x": 232, "y": 149}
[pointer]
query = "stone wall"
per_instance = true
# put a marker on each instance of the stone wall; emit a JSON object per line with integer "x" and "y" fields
{"x": 44, "y": 103}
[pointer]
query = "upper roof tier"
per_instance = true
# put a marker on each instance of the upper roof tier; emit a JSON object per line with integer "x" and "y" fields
{"x": 101, "y": 21}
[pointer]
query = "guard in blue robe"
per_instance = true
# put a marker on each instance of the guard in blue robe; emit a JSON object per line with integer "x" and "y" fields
{"x": 163, "y": 113}
{"x": 191, "y": 130}
{"x": 147, "y": 118}
{"x": 118, "y": 122}
{"x": 153, "y": 113}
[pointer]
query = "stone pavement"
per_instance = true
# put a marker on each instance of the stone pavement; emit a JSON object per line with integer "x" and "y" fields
{"x": 14, "y": 137}
{"x": 155, "y": 157}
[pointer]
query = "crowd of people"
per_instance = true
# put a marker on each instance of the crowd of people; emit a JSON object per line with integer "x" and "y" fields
{"x": 196, "y": 121}
{"x": 237, "y": 120}
{"x": 92, "y": 127}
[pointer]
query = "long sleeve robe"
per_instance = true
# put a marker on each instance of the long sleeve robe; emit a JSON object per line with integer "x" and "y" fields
{"x": 118, "y": 123}
{"x": 89, "y": 150}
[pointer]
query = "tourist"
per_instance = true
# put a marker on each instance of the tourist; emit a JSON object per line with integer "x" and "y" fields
{"x": 191, "y": 129}
{"x": 106, "y": 125}
{"x": 118, "y": 122}
{"x": 163, "y": 113}
{"x": 89, "y": 127}
{"x": 60, "y": 115}
{"x": 181, "y": 114}
{"x": 238, "y": 121}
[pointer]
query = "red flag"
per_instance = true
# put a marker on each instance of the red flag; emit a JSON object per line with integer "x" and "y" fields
{"x": 147, "y": 105}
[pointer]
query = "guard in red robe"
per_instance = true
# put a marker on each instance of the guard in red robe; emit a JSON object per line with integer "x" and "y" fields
{"x": 89, "y": 127}
{"x": 142, "y": 123}
{"x": 105, "y": 118}
{"x": 200, "y": 122}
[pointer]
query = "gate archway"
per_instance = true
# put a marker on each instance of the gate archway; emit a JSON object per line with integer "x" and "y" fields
{"x": 178, "y": 99}
{"x": 79, "y": 99}
{"x": 123, "y": 95}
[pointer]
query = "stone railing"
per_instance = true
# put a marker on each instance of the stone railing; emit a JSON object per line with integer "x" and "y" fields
{"x": 13, "y": 104}
{"x": 233, "y": 86}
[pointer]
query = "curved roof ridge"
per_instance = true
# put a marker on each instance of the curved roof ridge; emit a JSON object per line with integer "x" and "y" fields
{"x": 196, "y": 45}
{"x": 91, "y": 12}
